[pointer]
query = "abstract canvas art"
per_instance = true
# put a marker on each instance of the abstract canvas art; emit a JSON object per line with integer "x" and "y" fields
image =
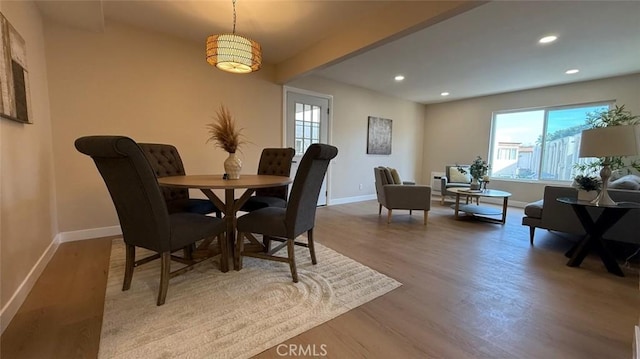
{"x": 379, "y": 136}
{"x": 14, "y": 80}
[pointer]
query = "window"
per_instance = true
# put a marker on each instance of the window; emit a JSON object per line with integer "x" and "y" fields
{"x": 307, "y": 126}
{"x": 539, "y": 144}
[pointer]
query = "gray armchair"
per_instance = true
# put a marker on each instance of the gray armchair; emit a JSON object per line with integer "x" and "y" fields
{"x": 453, "y": 179}
{"x": 400, "y": 196}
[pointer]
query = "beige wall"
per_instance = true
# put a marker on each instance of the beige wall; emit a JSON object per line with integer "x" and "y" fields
{"x": 27, "y": 211}
{"x": 455, "y": 132}
{"x": 351, "y": 108}
{"x": 150, "y": 87}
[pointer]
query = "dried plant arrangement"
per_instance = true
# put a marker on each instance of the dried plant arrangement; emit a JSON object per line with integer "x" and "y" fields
{"x": 223, "y": 131}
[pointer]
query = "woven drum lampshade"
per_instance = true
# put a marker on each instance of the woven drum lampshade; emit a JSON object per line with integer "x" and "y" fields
{"x": 234, "y": 53}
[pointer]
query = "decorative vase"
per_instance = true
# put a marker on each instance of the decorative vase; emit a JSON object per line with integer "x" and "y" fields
{"x": 475, "y": 185}
{"x": 232, "y": 166}
{"x": 584, "y": 195}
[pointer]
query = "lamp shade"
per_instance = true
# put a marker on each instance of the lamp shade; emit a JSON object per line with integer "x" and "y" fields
{"x": 610, "y": 141}
{"x": 234, "y": 53}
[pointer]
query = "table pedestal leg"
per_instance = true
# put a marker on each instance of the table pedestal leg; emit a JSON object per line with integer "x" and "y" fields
{"x": 230, "y": 219}
{"x": 593, "y": 239}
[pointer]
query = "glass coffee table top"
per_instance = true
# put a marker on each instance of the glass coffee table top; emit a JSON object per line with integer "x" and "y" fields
{"x": 481, "y": 211}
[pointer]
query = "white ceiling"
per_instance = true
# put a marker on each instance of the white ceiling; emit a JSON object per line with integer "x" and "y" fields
{"x": 487, "y": 50}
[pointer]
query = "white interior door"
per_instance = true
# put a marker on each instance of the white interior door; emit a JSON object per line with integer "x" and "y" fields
{"x": 306, "y": 122}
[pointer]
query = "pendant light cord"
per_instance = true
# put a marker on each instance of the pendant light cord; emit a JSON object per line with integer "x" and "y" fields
{"x": 234, "y": 16}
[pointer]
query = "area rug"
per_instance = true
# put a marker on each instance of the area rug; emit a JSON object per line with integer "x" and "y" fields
{"x": 210, "y": 314}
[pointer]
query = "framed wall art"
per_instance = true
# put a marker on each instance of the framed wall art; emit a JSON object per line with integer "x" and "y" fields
{"x": 15, "y": 103}
{"x": 379, "y": 136}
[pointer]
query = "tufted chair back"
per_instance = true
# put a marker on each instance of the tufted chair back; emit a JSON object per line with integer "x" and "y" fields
{"x": 275, "y": 162}
{"x": 165, "y": 161}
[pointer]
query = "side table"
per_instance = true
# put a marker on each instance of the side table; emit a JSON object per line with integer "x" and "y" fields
{"x": 595, "y": 230}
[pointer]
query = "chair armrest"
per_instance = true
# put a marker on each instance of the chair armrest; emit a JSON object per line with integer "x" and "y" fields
{"x": 443, "y": 185}
{"x": 408, "y": 197}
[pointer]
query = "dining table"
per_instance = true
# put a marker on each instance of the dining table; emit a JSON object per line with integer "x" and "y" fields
{"x": 230, "y": 205}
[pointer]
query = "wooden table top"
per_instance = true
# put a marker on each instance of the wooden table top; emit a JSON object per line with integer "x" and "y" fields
{"x": 216, "y": 181}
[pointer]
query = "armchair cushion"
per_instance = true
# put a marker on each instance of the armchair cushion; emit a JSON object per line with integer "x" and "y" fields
{"x": 455, "y": 176}
{"x": 388, "y": 178}
{"x": 395, "y": 175}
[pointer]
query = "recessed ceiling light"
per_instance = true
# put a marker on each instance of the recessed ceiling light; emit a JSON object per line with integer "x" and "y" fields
{"x": 444, "y": 94}
{"x": 572, "y": 71}
{"x": 548, "y": 39}
{"x": 399, "y": 78}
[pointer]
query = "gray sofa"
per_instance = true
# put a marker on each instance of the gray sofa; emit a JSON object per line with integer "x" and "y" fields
{"x": 550, "y": 214}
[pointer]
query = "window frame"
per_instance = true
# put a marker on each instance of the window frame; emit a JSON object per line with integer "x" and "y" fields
{"x": 546, "y": 109}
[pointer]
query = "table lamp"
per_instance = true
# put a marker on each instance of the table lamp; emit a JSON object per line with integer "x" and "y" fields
{"x": 608, "y": 142}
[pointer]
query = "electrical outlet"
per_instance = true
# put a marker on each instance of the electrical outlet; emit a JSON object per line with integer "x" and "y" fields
{"x": 360, "y": 186}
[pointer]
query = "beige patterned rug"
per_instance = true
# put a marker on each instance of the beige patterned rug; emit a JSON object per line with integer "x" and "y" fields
{"x": 210, "y": 314}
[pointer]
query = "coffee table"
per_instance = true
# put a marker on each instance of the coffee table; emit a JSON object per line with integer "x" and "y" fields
{"x": 484, "y": 213}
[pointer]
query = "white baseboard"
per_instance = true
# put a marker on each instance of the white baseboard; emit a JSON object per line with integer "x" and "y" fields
{"x": 90, "y": 233}
{"x": 346, "y": 200}
{"x": 11, "y": 307}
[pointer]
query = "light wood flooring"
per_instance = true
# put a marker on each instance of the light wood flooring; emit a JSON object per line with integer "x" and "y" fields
{"x": 470, "y": 290}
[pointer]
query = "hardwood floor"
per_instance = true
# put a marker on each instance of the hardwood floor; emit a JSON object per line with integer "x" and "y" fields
{"x": 470, "y": 290}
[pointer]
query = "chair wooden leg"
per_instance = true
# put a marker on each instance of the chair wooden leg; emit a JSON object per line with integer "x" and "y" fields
{"x": 266, "y": 241}
{"x": 532, "y": 231}
{"x": 130, "y": 259}
{"x": 292, "y": 259}
{"x": 410, "y": 212}
{"x": 426, "y": 215}
{"x": 224, "y": 252}
{"x": 389, "y": 216}
{"x": 442, "y": 200}
{"x": 188, "y": 251}
{"x": 379, "y": 209}
{"x": 239, "y": 248}
{"x": 312, "y": 248}
{"x": 165, "y": 268}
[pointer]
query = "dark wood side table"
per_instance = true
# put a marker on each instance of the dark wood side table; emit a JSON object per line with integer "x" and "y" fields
{"x": 595, "y": 230}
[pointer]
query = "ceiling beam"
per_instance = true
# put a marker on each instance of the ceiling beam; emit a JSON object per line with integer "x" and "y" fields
{"x": 374, "y": 29}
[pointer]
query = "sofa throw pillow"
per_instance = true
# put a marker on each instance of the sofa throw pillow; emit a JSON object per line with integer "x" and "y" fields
{"x": 631, "y": 182}
{"x": 457, "y": 176}
{"x": 387, "y": 175}
{"x": 395, "y": 175}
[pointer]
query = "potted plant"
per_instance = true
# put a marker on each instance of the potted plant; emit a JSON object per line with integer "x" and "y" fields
{"x": 478, "y": 170}
{"x": 226, "y": 135}
{"x": 616, "y": 116}
{"x": 588, "y": 186}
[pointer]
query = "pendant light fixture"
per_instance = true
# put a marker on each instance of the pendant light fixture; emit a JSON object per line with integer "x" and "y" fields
{"x": 234, "y": 53}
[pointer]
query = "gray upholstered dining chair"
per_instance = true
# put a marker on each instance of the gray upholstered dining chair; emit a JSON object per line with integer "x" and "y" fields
{"x": 165, "y": 161}
{"x": 142, "y": 210}
{"x": 286, "y": 224}
{"x": 274, "y": 162}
